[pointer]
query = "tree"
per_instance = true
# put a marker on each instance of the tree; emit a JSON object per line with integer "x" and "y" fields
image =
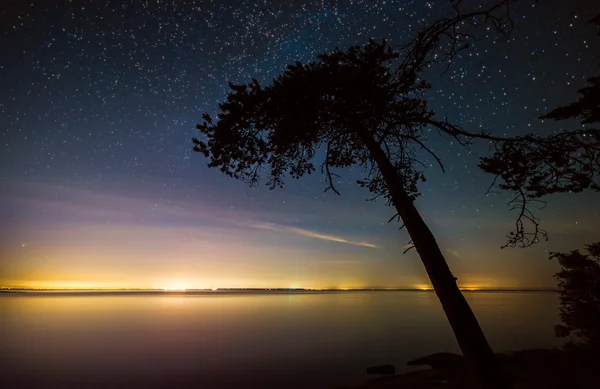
{"x": 587, "y": 108}
{"x": 579, "y": 278}
{"x": 579, "y": 286}
{"x": 537, "y": 167}
{"x": 367, "y": 106}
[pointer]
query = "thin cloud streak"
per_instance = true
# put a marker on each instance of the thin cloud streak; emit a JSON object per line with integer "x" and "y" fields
{"x": 309, "y": 233}
{"x": 454, "y": 253}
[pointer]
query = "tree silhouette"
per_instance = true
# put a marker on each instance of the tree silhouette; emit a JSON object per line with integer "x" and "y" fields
{"x": 587, "y": 108}
{"x": 579, "y": 278}
{"x": 579, "y": 286}
{"x": 366, "y": 106}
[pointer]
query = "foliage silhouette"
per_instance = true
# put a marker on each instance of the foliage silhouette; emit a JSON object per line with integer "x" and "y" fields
{"x": 533, "y": 167}
{"x": 367, "y": 106}
{"x": 579, "y": 277}
{"x": 587, "y": 108}
{"x": 579, "y": 286}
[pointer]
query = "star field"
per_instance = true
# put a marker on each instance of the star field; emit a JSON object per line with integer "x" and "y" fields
{"x": 98, "y": 106}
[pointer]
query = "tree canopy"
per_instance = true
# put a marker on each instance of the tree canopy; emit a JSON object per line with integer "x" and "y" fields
{"x": 587, "y": 107}
{"x": 333, "y": 103}
{"x": 579, "y": 286}
{"x": 326, "y": 103}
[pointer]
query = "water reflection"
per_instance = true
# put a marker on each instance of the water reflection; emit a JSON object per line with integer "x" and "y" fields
{"x": 316, "y": 340}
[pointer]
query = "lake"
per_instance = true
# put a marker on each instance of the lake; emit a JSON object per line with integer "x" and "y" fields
{"x": 243, "y": 340}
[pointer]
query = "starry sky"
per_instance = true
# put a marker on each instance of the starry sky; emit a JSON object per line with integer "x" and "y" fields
{"x": 99, "y": 186}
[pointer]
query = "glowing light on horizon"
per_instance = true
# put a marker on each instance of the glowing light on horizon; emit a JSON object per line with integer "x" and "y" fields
{"x": 461, "y": 287}
{"x": 423, "y": 287}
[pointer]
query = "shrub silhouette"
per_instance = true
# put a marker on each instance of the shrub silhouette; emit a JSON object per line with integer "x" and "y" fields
{"x": 579, "y": 286}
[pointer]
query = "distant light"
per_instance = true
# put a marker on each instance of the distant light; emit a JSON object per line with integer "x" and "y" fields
{"x": 423, "y": 287}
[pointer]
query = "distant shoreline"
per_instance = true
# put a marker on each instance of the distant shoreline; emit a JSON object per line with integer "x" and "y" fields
{"x": 240, "y": 291}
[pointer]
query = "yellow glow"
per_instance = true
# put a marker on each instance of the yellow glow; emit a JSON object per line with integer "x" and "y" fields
{"x": 80, "y": 250}
{"x": 423, "y": 287}
{"x": 478, "y": 286}
{"x": 182, "y": 284}
{"x": 69, "y": 285}
{"x": 176, "y": 285}
{"x": 467, "y": 287}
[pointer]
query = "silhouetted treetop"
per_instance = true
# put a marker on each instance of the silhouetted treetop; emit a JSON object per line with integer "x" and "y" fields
{"x": 587, "y": 108}
{"x": 329, "y": 103}
{"x": 350, "y": 101}
{"x": 347, "y": 99}
{"x": 326, "y": 103}
{"x": 533, "y": 167}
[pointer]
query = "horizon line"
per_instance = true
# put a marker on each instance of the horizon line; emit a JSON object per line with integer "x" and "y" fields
{"x": 423, "y": 289}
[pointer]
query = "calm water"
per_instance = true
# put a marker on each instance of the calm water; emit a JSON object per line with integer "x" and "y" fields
{"x": 219, "y": 341}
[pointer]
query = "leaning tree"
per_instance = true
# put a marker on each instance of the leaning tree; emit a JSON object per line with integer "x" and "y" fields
{"x": 367, "y": 106}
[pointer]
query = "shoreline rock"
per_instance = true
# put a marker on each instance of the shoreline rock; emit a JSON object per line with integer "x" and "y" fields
{"x": 440, "y": 361}
{"x": 526, "y": 369}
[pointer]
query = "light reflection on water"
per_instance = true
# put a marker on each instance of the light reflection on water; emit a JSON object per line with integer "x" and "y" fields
{"x": 298, "y": 340}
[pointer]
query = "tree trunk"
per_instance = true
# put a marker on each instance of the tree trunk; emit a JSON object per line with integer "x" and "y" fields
{"x": 468, "y": 333}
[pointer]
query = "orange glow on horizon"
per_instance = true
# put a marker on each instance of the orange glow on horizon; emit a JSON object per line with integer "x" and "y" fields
{"x": 181, "y": 284}
{"x": 49, "y": 285}
{"x": 468, "y": 287}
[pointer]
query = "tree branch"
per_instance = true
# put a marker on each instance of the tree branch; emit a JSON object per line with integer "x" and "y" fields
{"x": 328, "y": 171}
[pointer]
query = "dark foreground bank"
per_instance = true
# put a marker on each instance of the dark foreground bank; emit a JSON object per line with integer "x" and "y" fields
{"x": 527, "y": 369}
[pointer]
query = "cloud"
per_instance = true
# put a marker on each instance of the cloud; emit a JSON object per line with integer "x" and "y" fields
{"x": 36, "y": 202}
{"x": 51, "y": 208}
{"x": 454, "y": 253}
{"x": 308, "y": 233}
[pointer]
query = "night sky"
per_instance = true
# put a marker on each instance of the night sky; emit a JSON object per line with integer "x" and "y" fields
{"x": 99, "y": 186}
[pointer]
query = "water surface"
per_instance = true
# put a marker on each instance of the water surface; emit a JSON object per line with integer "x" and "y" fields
{"x": 236, "y": 340}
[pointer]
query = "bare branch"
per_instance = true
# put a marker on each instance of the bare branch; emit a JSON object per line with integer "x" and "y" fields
{"x": 396, "y": 216}
{"x": 412, "y": 246}
{"x": 419, "y": 50}
{"x": 457, "y": 132}
{"x": 520, "y": 237}
{"x": 438, "y": 160}
{"x": 330, "y": 175}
